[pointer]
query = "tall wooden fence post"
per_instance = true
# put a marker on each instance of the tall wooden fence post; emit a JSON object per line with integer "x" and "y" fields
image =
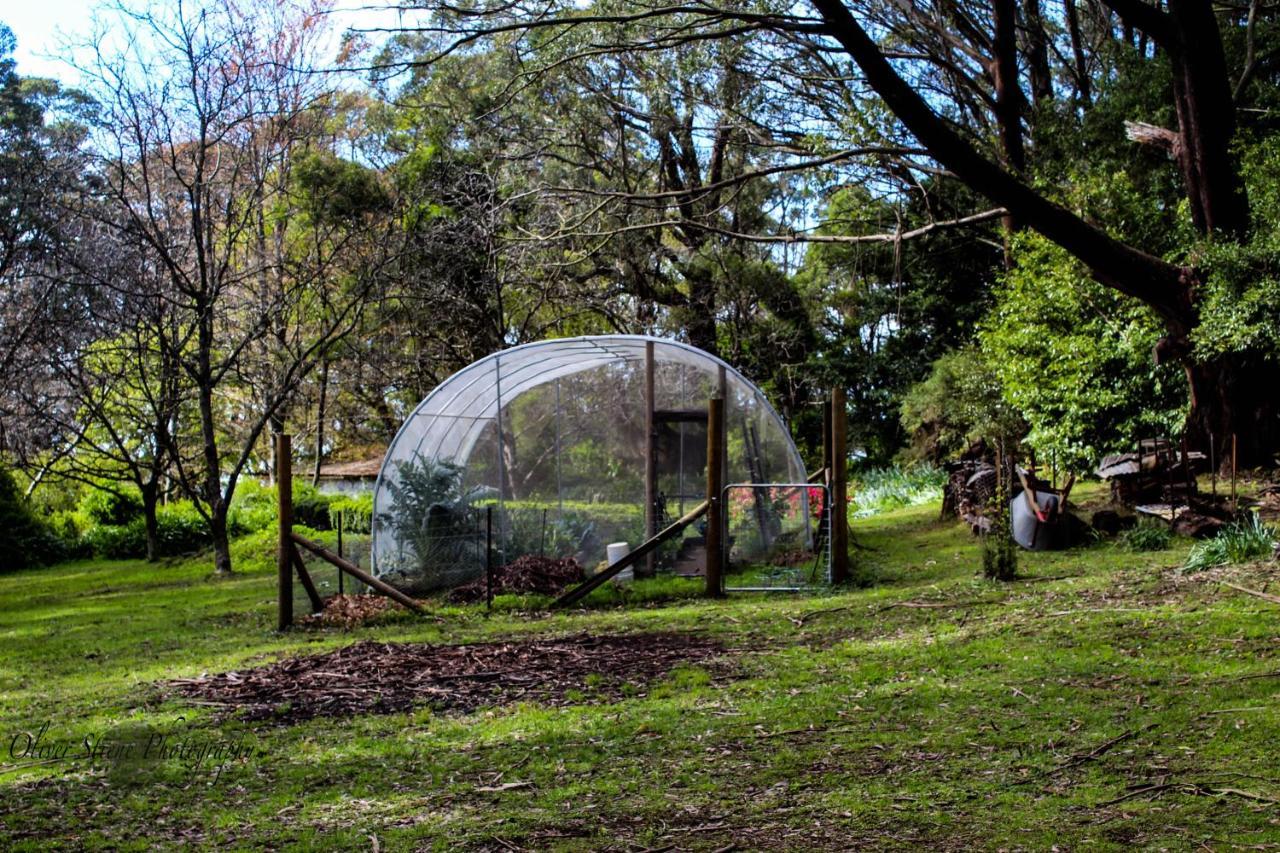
{"x": 650, "y": 461}
{"x": 839, "y": 463}
{"x": 715, "y": 486}
{"x": 284, "y": 514}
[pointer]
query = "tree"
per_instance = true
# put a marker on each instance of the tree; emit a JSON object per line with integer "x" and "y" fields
{"x": 972, "y": 84}
{"x": 42, "y": 171}
{"x": 203, "y": 114}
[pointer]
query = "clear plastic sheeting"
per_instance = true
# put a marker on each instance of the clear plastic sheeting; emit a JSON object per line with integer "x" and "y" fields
{"x": 548, "y": 440}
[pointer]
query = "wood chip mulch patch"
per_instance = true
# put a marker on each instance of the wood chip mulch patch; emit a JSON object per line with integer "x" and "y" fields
{"x": 384, "y": 678}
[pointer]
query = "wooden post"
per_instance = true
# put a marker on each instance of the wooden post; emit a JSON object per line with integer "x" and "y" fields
{"x": 317, "y": 603}
{"x": 1235, "y": 504}
{"x": 1213, "y": 466}
{"x": 839, "y": 487}
{"x": 488, "y": 557}
{"x": 342, "y": 517}
{"x": 650, "y": 461}
{"x": 284, "y": 515}
{"x": 715, "y": 485}
{"x": 826, "y": 442}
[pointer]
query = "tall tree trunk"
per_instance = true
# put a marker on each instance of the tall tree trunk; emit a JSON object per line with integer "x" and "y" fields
{"x": 1081, "y": 68}
{"x": 1008, "y": 106}
{"x": 150, "y": 522}
{"x": 320, "y": 416}
{"x": 701, "y": 323}
{"x": 209, "y": 436}
{"x": 1234, "y": 395}
{"x": 221, "y": 539}
{"x": 1206, "y": 120}
{"x": 1038, "y": 52}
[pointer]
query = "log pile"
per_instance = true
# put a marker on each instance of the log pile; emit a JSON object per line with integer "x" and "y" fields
{"x": 970, "y": 488}
{"x": 385, "y": 678}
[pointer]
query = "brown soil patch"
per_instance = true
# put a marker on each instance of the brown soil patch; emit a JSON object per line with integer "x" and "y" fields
{"x": 385, "y": 678}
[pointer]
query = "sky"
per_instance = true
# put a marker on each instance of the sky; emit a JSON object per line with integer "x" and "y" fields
{"x": 41, "y": 26}
{"x": 36, "y": 23}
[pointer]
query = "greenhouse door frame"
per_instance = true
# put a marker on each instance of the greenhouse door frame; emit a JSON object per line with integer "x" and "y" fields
{"x": 825, "y": 524}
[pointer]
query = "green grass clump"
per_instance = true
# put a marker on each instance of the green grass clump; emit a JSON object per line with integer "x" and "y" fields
{"x": 1240, "y": 542}
{"x": 1147, "y": 536}
{"x": 879, "y": 490}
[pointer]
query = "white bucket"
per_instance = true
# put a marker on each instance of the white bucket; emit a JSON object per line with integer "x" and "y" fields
{"x": 615, "y": 552}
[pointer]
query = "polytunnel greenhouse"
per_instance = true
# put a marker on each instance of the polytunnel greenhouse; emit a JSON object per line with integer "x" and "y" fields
{"x": 543, "y": 449}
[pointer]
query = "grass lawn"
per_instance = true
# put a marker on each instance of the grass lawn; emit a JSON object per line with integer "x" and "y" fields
{"x": 1104, "y": 700}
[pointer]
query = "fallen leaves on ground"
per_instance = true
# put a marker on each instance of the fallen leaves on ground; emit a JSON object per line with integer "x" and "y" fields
{"x": 369, "y": 677}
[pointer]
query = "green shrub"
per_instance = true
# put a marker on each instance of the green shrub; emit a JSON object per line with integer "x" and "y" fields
{"x": 180, "y": 529}
{"x": 879, "y": 490}
{"x": 310, "y": 506}
{"x": 25, "y": 540}
{"x": 999, "y": 553}
{"x": 1237, "y": 543}
{"x": 1147, "y": 535}
{"x": 253, "y": 508}
{"x": 100, "y": 506}
{"x": 356, "y": 512}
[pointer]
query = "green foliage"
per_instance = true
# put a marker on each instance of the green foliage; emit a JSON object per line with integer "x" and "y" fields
{"x": 1240, "y": 542}
{"x": 960, "y": 402}
{"x": 1147, "y": 535}
{"x": 180, "y": 529}
{"x": 355, "y": 511}
{"x": 1075, "y": 359}
{"x": 1240, "y": 299}
{"x": 253, "y": 507}
{"x": 878, "y": 490}
{"x": 334, "y": 189}
{"x": 882, "y": 316}
{"x": 310, "y": 506}
{"x": 428, "y": 516}
{"x": 25, "y": 540}
{"x": 116, "y": 508}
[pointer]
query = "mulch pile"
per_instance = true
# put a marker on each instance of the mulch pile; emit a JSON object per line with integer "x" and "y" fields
{"x": 522, "y": 576}
{"x": 348, "y": 611}
{"x": 385, "y": 678}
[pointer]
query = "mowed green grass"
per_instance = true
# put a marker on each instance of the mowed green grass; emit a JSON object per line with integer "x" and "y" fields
{"x": 1103, "y": 701}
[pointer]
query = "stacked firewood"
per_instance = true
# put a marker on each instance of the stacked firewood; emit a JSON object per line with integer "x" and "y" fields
{"x": 970, "y": 487}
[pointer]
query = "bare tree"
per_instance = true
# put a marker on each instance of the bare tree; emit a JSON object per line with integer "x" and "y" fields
{"x": 203, "y": 113}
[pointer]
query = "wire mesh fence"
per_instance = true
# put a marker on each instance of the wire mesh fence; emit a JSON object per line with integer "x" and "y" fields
{"x": 776, "y": 536}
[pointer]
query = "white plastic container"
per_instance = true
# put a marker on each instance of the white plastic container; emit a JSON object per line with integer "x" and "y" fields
{"x": 615, "y": 552}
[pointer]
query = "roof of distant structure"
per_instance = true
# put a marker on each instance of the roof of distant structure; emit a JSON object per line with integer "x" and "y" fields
{"x": 358, "y": 470}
